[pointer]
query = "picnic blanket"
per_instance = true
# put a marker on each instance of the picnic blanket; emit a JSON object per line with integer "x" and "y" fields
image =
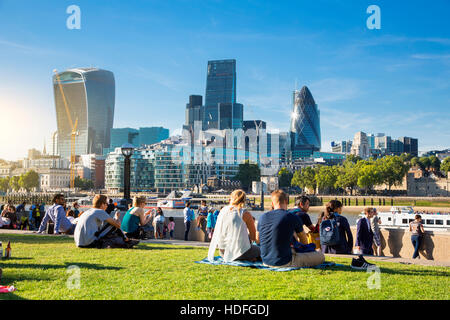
{"x": 218, "y": 260}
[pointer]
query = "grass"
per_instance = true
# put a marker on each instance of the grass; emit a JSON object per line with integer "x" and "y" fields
{"x": 38, "y": 269}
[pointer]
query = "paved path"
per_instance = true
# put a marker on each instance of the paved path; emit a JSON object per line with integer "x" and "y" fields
{"x": 372, "y": 259}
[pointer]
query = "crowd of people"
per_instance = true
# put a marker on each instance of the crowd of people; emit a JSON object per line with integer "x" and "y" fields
{"x": 283, "y": 237}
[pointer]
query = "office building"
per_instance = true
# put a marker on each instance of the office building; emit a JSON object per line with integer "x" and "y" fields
{"x": 360, "y": 145}
{"x": 305, "y": 124}
{"x": 220, "y": 88}
{"x": 90, "y": 97}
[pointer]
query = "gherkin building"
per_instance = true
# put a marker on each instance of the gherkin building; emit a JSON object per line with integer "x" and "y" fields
{"x": 305, "y": 121}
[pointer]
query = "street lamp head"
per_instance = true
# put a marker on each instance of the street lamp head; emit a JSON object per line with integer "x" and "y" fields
{"x": 127, "y": 149}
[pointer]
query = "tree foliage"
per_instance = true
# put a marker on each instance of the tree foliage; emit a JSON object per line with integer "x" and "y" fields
{"x": 284, "y": 178}
{"x": 29, "y": 180}
{"x": 248, "y": 172}
{"x": 445, "y": 165}
{"x": 83, "y": 184}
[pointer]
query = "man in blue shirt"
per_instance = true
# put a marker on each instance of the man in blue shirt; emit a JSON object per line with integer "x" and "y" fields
{"x": 57, "y": 215}
{"x": 301, "y": 210}
{"x": 275, "y": 231}
{"x": 364, "y": 234}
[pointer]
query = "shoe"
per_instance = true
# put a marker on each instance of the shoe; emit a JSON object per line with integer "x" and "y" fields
{"x": 132, "y": 243}
{"x": 360, "y": 263}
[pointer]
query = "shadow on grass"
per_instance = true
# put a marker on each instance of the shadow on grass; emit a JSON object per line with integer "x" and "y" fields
{"x": 64, "y": 266}
{"x": 148, "y": 246}
{"x": 384, "y": 270}
{"x": 34, "y": 239}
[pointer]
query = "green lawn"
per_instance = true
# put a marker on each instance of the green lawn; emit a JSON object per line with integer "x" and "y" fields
{"x": 38, "y": 269}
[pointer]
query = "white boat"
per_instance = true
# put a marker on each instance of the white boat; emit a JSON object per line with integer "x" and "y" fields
{"x": 171, "y": 202}
{"x": 401, "y": 216}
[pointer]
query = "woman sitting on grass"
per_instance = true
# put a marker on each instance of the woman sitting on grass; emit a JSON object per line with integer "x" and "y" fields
{"x": 135, "y": 218}
{"x": 234, "y": 230}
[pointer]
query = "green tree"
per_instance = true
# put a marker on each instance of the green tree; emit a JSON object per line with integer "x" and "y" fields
{"x": 326, "y": 177}
{"x": 392, "y": 170}
{"x": 83, "y": 184}
{"x": 29, "y": 180}
{"x": 415, "y": 162}
{"x": 435, "y": 163}
{"x": 284, "y": 178}
{"x": 248, "y": 172}
{"x": 4, "y": 184}
{"x": 445, "y": 165}
{"x": 424, "y": 163}
{"x": 14, "y": 183}
{"x": 305, "y": 178}
{"x": 369, "y": 176}
{"x": 347, "y": 177}
{"x": 353, "y": 158}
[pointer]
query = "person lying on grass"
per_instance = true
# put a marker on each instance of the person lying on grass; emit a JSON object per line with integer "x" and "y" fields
{"x": 96, "y": 229}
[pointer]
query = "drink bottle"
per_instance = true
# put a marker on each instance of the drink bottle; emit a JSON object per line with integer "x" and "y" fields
{"x": 1, "y": 250}
{"x": 8, "y": 250}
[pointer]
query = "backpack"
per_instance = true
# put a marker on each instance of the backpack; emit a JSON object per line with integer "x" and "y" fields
{"x": 329, "y": 232}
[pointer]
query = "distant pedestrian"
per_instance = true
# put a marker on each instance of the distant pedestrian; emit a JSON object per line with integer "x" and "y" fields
{"x": 158, "y": 223}
{"x": 417, "y": 232}
{"x": 189, "y": 216}
{"x": 202, "y": 214}
{"x": 375, "y": 222}
{"x": 171, "y": 227}
{"x": 364, "y": 234}
{"x": 37, "y": 215}
{"x": 210, "y": 223}
{"x": 75, "y": 209}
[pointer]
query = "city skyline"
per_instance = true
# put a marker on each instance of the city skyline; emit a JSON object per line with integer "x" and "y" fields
{"x": 393, "y": 80}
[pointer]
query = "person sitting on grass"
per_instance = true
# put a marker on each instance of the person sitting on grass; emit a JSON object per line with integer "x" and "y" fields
{"x": 234, "y": 231}
{"x": 8, "y": 217}
{"x": 275, "y": 231}
{"x": 57, "y": 215}
{"x": 96, "y": 228}
{"x": 301, "y": 210}
{"x": 135, "y": 219}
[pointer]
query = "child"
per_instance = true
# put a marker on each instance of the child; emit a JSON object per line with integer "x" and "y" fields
{"x": 171, "y": 227}
{"x": 202, "y": 214}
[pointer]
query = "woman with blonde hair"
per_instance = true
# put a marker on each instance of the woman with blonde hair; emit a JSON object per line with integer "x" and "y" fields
{"x": 135, "y": 218}
{"x": 234, "y": 231}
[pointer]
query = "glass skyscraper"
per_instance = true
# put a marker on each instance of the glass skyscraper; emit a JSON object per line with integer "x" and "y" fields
{"x": 90, "y": 96}
{"x": 220, "y": 88}
{"x": 305, "y": 121}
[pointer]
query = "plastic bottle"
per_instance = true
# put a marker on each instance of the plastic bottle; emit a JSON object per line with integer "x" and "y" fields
{"x": 1, "y": 250}
{"x": 8, "y": 250}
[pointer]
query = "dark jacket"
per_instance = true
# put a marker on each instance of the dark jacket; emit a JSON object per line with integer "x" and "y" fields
{"x": 364, "y": 236}
{"x": 346, "y": 238}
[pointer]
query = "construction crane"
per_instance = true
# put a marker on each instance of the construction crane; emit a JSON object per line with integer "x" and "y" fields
{"x": 73, "y": 133}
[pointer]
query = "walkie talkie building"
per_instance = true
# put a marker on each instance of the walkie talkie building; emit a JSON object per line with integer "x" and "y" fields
{"x": 90, "y": 97}
{"x": 305, "y": 122}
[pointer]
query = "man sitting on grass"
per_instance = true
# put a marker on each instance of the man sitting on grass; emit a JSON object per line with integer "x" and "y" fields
{"x": 96, "y": 229}
{"x": 275, "y": 232}
{"x": 57, "y": 215}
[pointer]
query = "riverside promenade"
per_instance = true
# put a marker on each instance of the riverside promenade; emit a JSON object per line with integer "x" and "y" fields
{"x": 197, "y": 243}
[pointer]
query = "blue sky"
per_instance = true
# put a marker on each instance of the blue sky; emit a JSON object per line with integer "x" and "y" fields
{"x": 395, "y": 80}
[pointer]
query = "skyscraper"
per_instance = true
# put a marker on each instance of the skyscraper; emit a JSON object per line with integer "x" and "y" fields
{"x": 220, "y": 88}
{"x": 305, "y": 122}
{"x": 90, "y": 96}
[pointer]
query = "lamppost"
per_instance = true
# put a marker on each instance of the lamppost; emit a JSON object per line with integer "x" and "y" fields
{"x": 127, "y": 151}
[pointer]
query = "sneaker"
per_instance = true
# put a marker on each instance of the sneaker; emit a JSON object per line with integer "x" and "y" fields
{"x": 360, "y": 263}
{"x": 132, "y": 243}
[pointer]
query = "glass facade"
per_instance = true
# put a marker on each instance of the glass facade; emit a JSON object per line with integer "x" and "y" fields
{"x": 152, "y": 135}
{"x": 90, "y": 96}
{"x": 305, "y": 120}
{"x": 220, "y": 88}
